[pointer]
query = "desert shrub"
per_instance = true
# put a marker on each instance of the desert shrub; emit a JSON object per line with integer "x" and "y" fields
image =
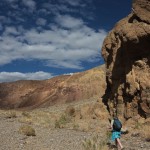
{"x": 26, "y": 119}
{"x": 70, "y": 111}
{"x": 62, "y": 121}
{"x": 11, "y": 114}
{"x": 145, "y": 133}
{"x": 138, "y": 125}
{"x": 75, "y": 126}
{"x": 27, "y": 130}
{"x": 95, "y": 144}
{"x": 108, "y": 135}
{"x": 26, "y": 114}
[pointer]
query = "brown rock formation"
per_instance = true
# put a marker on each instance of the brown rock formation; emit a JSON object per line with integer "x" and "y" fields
{"x": 58, "y": 90}
{"x": 126, "y": 51}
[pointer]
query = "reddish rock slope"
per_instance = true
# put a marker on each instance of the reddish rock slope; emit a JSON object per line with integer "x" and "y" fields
{"x": 58, "y": 90}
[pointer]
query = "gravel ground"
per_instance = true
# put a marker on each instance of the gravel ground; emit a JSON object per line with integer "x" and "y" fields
{"x": 53, "y": 139}
{"x": 45, "y": 139}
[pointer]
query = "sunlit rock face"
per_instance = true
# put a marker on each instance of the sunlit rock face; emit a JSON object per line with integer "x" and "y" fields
{"x": 126, "y": 51}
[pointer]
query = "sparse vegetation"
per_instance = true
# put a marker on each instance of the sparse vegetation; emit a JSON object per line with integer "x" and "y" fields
{"x": 145, "y": 133}
{"x": 95, "y": 144}
{"x": 26, "y": 114}
{"x": 27, "y": 130}
{"x": 69, "y": 117}
{"x": 138, "y": 125}
{"x": 11, "y": 114}
{"x": 75, "y": 126}
{"x": 62, "y": 121}
{"x": 70, "y": 111}
{"x": 26, "y": 118}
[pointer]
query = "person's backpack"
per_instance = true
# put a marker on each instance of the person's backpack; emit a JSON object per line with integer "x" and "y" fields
{"x": 117, "y": 125}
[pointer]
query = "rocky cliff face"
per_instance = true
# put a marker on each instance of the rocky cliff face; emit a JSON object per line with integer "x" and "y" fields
{"x": 58, "y": 90}
{"x": 126, "y": 51}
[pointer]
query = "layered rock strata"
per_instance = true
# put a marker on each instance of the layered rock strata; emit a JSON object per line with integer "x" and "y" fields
{"x": 126, "y": 51}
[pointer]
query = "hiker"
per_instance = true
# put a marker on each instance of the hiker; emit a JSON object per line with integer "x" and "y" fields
{"x": 115, "y": 127}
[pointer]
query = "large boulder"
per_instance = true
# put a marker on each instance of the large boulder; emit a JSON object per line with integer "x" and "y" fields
{"x": 126, "y": 51}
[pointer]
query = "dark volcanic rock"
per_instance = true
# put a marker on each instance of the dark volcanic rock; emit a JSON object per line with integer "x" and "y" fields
{"x": 126, "y": 51}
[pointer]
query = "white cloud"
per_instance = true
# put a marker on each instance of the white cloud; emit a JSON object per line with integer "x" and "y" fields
{"x": 44, "y": 11}
{"x": 68, "y": 6}
{"x": 58, "y": 46}
{"x": 68, "y": 21}
{"x": 11, "y": 1}
{"x": 72, "y": 2}
{"x": 4, "y": 19}
{"x": 31, "y": 4}
{"x": 14, "y": 76}
{"x": 1, "y": 27}
{"x": 41, "y": 21}
{"x": 11, "y": 30}
{"x": 75, "y": 3}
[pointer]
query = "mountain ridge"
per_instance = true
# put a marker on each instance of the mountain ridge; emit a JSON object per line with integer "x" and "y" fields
{"x": 57, "y": 90}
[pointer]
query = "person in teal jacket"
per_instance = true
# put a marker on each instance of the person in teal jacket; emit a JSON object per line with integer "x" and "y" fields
{"x": 116, "y": 135}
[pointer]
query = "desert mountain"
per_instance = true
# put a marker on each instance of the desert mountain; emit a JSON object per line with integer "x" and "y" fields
{"x": 126, "y": 51}
{"x": 57, "y": 90}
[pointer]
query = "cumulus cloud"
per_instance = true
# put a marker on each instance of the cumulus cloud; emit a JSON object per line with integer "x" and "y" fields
{"x": 72, "y": 2}
{"x": 11, "y": 31}
{"x": 68, "y": 21}
{"x": 31, "y": 4}
{"x": 51, "y": 35}
{"x": 75, "y": 3}
{"x": 14, "y": 76}
{"x": 11, "y": 1}
{"x": 1, "y": 27}
{"x": 41, "y": 21}
{"x": 4, "y": 19}
{"x": 63, "y": 45}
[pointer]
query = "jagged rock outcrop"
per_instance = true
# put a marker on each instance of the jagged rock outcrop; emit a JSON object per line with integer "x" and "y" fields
{"x": 126, "y": 51}
{"x": 58, "y": 90}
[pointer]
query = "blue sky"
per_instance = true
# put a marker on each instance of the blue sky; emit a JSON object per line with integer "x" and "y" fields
{"x": 40, "y": 39}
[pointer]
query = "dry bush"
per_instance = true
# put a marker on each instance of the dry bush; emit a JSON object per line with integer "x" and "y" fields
{"x": 40, "y": 118}
{"x": 86, "y": 111}
{"x": 26, "y": 118}
{"x": 140, "y": 127}
{"x": 84, "y": 125}
{"x": 27, "y": 130}
{"x": 62, "y": 121}
{"x": 95, "y": 144}
{"x": 145, "y": 132}
{"x": 11, "y": 114}
{"x": 26, "y": 114}
{"x": 76, "y": 126}
{"x": 70, "y": 111}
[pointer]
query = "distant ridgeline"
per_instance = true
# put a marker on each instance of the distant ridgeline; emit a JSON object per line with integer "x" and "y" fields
{"x": 57, "y": 90}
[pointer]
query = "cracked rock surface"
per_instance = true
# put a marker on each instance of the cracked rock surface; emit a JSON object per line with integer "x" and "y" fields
{"x": 126, "y": 51}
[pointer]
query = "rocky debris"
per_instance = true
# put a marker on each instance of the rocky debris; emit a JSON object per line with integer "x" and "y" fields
{"x": 58, "y": 90}
{"x": 126, "y": 51}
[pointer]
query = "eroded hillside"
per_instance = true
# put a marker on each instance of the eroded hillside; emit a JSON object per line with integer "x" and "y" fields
{"x": 58, "y": 90}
